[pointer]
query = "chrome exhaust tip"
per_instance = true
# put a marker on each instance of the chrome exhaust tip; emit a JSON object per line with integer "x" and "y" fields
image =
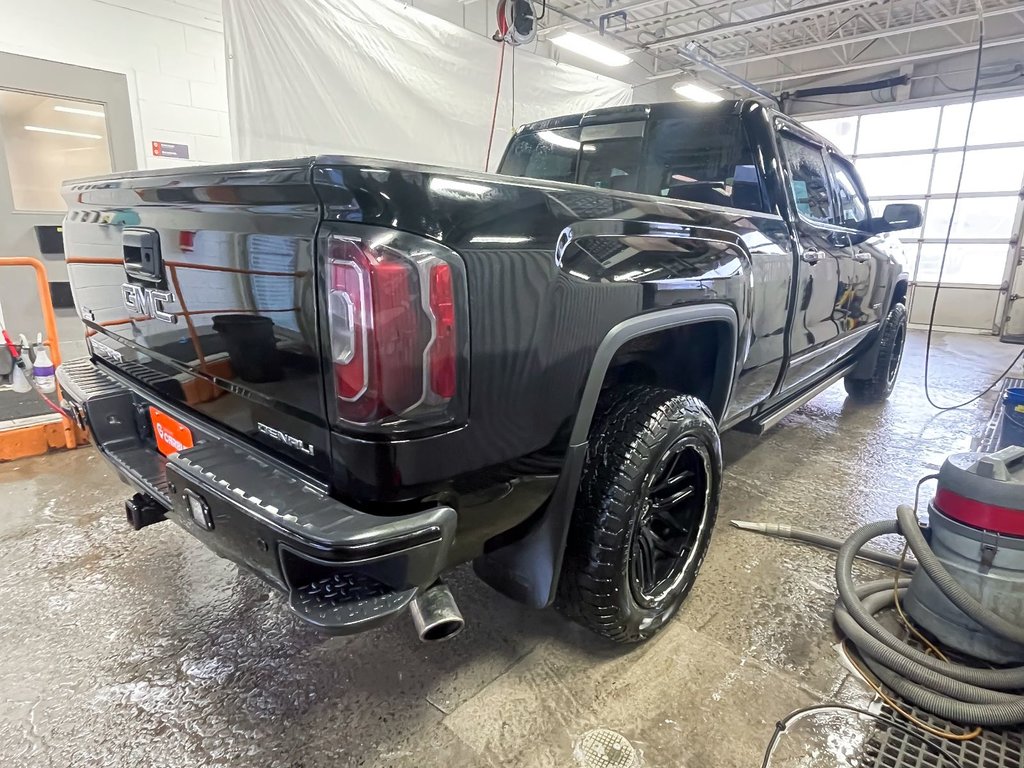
{"x": 435, "y": 614}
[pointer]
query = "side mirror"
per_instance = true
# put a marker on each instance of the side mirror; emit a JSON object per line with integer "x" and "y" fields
{"x": 896, "y": 216}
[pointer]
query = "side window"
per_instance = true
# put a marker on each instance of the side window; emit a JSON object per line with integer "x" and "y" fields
{"x": 853, "y": 205}
{"x": 704, "y": 158}
{"x": 809, "y": 178}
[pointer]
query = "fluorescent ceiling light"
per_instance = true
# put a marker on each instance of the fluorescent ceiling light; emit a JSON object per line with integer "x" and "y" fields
{"x": 76, "y": 134}
{"x": 592, "y": 49}
{"x": 77, "y": 111}
{"x": 694, "y": 92}
{"x": 559, "y": 141}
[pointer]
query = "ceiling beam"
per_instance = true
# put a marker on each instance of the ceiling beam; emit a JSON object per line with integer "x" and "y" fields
{"x": 655, "y": 57}
{"x": 678, "y": 14}
{"x": 864, "y": 38}
{"x": 890, "y": 62}
{"x": 588, "y": 8}
{"x": 797, "y": 12}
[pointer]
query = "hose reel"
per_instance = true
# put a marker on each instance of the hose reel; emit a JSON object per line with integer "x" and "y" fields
{"x": 517, "y": 22}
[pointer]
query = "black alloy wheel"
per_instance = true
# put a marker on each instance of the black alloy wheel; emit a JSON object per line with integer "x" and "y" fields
{"x": 644, "y": 512}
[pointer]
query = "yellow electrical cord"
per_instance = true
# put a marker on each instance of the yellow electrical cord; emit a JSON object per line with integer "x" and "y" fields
{"x": 903, "y": 617}
{"x": 877, "y": 688}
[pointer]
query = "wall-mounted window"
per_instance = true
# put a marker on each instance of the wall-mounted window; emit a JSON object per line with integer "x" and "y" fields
{"x": 47, "y": 140}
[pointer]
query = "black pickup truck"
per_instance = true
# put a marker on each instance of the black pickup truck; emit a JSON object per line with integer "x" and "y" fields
{"x": 349, "y": 375}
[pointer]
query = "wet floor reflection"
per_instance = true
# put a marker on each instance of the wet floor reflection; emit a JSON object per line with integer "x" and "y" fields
{"x": 124, "y": 648}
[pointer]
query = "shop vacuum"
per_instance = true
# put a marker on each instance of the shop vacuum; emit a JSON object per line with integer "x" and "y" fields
{"x": 976, "y": 531}
{"x": 967, "y": 592}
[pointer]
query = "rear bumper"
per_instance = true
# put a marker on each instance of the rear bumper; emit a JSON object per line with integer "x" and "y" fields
{"x": 344, "y": 570}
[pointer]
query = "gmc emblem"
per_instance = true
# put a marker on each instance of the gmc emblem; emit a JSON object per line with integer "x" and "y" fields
{"x": 147, "y": 302}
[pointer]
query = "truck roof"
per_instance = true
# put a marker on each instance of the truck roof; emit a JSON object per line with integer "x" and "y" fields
{"x": 636, "y": 112}
{"x": 660, "y": 110}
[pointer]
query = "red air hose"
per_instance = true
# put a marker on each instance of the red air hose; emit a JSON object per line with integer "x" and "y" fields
{"x": 497, "y": 94}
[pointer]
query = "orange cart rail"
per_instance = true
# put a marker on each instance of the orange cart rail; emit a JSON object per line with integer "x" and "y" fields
{"x": 37, "y": 439}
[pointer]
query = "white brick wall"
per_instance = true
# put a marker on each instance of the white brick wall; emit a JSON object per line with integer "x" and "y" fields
{"x": 172, "y": 52}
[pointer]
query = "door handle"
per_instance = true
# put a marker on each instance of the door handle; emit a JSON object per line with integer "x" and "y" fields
{"x": 812, "y": 255}
{"x": 861, "y": 256}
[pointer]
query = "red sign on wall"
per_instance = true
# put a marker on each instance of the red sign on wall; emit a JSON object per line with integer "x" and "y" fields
{"x": 167, "y": 149}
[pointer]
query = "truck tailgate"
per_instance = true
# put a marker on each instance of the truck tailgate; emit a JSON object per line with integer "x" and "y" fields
{"x": 200, "y": 284}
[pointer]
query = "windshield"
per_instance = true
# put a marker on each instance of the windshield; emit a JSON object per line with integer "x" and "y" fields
{"x": 703, "y": 157}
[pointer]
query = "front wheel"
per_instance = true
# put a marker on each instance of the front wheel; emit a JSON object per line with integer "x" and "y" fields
{"x": 645, "y": 509}
{"x": 891, "y": 341}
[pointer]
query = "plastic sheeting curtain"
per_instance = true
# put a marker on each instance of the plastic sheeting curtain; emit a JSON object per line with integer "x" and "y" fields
{"x": 375, "y": 78}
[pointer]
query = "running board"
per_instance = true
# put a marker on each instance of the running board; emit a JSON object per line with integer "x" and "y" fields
{"x": 761, "y": 423}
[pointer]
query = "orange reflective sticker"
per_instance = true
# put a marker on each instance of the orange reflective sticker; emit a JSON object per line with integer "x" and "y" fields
{"x": 171, "y": 435}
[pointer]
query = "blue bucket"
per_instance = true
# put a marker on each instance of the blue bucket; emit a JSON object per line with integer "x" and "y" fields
{"x": 1013, "y": 418}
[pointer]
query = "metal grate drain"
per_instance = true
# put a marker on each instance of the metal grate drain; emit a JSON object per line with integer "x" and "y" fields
{"x": 893, "y": 748}
{"x": 602, "y": 748}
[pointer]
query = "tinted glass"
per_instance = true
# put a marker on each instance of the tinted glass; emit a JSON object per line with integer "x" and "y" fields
{"x": 610, "y": 156}
{"x": 704, "y": 158}
{"x": 549, "y": 155}
{"x": 853, "y": 206}
{"x": 809, "y": 179}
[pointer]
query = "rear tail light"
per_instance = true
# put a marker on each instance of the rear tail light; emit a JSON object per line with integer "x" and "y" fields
{"x": 393, "y": 315}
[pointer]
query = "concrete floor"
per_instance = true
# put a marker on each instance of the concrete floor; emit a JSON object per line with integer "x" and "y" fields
{"x": 129, "y": 649}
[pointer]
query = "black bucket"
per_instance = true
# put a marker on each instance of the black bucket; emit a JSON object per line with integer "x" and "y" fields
{"x": 251, "y": 345}
{"x": 1013, "y": 418}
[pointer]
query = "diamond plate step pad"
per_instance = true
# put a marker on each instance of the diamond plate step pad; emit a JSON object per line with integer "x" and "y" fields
{"x": 345, "y": 600}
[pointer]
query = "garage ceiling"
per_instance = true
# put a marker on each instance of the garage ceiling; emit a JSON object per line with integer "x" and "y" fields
{"x": 782, "y": 44}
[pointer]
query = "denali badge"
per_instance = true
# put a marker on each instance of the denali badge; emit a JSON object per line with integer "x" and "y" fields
{"x": 102, "y": 350}
{"x": 147, "y": 302}
{"x": 291, "y": 442}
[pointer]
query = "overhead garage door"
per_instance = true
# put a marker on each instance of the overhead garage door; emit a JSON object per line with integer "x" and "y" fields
{"x": 914, "y": 155}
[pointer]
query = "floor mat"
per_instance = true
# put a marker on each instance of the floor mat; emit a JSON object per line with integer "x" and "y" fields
{"x": 19, "y": 405}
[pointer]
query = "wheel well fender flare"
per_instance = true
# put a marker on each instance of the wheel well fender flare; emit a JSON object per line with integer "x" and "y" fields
{"x": 654, "y": 322}
{"x": 528, "y": 569}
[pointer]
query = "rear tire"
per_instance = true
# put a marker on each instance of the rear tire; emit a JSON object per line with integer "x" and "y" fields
{"x": 644, "y": 513}
{"x": 879, "y": 386}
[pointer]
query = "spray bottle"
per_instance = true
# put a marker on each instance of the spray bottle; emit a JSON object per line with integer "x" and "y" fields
{"x": 19, "y": 381}
{"x": 19, "y": 376}
{"x": 26, "y": 351}
{"x": 42, "y": 368}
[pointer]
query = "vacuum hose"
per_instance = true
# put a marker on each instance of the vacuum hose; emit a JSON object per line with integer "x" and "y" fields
{"x": 952, "y": 691}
